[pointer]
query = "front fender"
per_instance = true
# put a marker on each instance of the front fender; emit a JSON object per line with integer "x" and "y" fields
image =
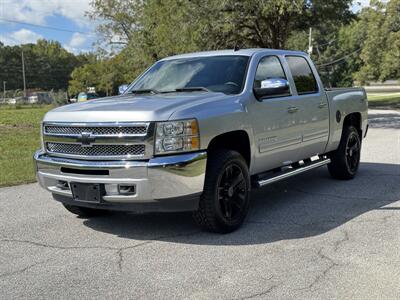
{"x": 217, "y": 117}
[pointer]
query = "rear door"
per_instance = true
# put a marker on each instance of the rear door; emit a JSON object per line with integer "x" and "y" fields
{"x": 277, "y": 135}
{"x": 312, "y": 103}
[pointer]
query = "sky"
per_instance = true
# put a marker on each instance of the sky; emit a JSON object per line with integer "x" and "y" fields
{"x": 62, "y": 14}
{"x": 69, "y": 15}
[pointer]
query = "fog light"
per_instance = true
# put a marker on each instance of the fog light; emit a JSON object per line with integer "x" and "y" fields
{"x": 126, "y": 189}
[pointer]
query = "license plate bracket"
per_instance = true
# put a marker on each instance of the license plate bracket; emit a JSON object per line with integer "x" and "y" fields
{"x": 87, "y": 192}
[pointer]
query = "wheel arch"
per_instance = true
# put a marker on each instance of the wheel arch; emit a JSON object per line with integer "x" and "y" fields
{"x": 237, "y": 140}
{"x": 353, "y": 119}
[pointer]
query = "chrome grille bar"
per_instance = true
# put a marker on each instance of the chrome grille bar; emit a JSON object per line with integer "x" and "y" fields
{"x": 98, "y": 129}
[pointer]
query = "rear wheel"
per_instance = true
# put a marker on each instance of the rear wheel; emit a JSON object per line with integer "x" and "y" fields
{"x": 225, "y": 200}
{"x": 84, "y": 211}
{"x": 346, "y": 159}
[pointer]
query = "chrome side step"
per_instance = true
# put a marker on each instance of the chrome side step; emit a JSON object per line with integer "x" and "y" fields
{"x": 290, "y": 171}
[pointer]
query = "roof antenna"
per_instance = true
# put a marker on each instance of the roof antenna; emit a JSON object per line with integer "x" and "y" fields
{"x": 236, "y": 48}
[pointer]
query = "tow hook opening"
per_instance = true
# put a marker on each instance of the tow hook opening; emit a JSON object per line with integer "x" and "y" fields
{"x": 62, "y": 185}
{"x": 125, "y": 189}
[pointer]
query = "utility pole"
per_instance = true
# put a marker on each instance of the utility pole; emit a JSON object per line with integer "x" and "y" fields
{"x": 23, "y": 72}
{"x": 4, "y": 90}
{"x": 310, "y": 47}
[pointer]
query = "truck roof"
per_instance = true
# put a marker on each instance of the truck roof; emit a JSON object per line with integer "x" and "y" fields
{"x": 243, "y": 52}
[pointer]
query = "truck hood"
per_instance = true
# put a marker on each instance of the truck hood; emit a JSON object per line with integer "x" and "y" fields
{"x": 129, "y": 108}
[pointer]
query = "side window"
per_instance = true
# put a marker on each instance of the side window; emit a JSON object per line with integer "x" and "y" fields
{"x": 302, "y": 75}
{"x": 268, "y": 67}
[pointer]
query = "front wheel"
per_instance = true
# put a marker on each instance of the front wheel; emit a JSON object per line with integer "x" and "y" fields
{"x": 346, "y": 159}
{"x": 225, "y": 200}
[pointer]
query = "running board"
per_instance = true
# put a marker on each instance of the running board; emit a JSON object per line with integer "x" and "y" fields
{"x": 290, "y": 171}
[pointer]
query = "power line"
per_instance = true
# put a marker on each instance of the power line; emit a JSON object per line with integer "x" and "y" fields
{"x": 329, "y": 42}
{"x": 339, "y": 59}
{"x": 47, "y": 27}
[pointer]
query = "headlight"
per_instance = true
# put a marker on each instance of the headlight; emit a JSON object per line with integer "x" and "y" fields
{"x": 177, "y": 136}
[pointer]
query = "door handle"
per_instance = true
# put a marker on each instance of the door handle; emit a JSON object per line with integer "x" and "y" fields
{"x": 292, "y": 109}
{"x": 322, "y": 105}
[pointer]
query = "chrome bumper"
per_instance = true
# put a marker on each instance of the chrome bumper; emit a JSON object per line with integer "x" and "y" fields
{"x": 157, "y": 180}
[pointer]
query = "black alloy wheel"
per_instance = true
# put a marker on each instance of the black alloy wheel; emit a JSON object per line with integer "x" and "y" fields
{"x": 225, "y": 200}
{"x": 353, "y": 151}
{"x": 345, "y": 159}
{"x": 232, "y": 193}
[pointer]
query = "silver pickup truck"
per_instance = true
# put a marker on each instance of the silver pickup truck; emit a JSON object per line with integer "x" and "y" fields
{"x": 196, "y": 132}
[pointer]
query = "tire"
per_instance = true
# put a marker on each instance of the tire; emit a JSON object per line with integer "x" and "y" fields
{"x": 225, "y": 201}
{"x": 346, "y": 159}
{"x": 84, "y": 211}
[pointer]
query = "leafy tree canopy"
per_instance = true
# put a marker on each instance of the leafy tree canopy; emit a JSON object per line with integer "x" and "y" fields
{"x": 147, "y": 30}
{"x": 47, "y": 65}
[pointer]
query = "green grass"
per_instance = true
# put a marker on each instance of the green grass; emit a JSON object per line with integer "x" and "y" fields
{"x": 20, "y": 137}
{"x": 384, "y": 100}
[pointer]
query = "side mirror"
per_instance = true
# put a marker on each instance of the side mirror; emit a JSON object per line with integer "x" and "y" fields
{"x": 272, "y": 87}
{"x": 122, "y": 88}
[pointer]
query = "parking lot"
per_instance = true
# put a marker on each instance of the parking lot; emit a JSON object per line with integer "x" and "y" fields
{"x": 307, "y": 237}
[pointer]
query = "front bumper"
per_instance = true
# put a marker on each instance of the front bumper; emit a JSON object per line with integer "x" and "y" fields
{"x": 168, "y": 183}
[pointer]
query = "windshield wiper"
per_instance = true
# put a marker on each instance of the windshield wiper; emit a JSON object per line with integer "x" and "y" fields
{"x": 187, "y": 89}
{"x": 192, "y": 89}
{"x": 144, "y": 91}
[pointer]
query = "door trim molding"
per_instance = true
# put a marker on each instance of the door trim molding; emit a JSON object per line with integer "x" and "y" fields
{"x": 267, "y": 147}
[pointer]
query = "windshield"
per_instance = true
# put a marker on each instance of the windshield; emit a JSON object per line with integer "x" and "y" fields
{"x": 224, "y": 74}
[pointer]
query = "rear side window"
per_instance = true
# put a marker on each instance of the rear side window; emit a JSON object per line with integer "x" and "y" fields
{"x": 302, "y": 75}
{"x": 268, "y": 67}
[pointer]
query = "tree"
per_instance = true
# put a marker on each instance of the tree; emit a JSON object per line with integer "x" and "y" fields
{"x": 152, "y": 29}
{"x": 381, "y": 50}
{"x": 366, "y": 49}
{"x": 51, "y": 64}
{"x": 120, "y": 19}
{"x": 339, "y": 59}
{"x": 47, "y": 65}
{"x": 391, "y": 55}
{"x": 81, "y": 78}
{"x": 11, "y": 68}
{"x": 103, "y": 74}
{"x": 213, "y": 24}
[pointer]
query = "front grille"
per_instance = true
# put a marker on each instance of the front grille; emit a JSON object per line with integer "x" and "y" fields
{"x": 96, "y": 130}
{"x": 99, "y": 141}
{"x": 96, "y": 150}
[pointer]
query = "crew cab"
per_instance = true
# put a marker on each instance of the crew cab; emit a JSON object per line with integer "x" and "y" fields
{"x": 196, "y": 132}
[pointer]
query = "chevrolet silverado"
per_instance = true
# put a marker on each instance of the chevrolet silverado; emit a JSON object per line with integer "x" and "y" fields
{"x": 196, "y": 132}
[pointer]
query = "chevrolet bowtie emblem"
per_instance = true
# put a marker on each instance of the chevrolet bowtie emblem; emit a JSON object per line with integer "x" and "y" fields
{"x": 86, "y": 139}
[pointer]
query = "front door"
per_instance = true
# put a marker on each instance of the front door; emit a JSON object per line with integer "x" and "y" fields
{"x": 277, "y": 133}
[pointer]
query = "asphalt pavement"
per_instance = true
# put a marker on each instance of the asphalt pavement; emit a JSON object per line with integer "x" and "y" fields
{"x": 309, "y": 237}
